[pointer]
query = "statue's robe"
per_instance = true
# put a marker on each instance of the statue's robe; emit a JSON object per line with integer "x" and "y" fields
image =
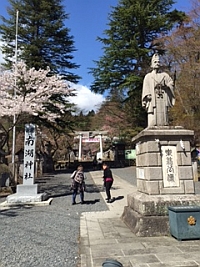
{"x": 161, "y": 88}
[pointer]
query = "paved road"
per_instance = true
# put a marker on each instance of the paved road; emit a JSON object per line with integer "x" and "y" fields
{"x": 48, "y": 235}
{"x": 105, "y": 236}
{"x": 127, "y": 174}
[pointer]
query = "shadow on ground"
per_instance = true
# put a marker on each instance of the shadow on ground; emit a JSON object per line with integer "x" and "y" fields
{"x": 58, "y": 185}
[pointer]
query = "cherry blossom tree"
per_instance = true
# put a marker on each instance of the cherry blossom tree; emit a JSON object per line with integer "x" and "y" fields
{"x": 31, "y": 91}
{"x": 36, "y": 93}
{"x": 183, "y": 56}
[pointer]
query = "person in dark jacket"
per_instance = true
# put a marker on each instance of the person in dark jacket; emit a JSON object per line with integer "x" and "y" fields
{"x": 108, "y": 180}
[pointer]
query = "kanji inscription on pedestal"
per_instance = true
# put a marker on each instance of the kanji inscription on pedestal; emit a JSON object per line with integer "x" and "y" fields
{"x": 170, "y": 166}
{"x": 29, "y": 154}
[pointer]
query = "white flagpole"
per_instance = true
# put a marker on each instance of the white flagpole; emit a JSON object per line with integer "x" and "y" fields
{"x": 14, "y": 116}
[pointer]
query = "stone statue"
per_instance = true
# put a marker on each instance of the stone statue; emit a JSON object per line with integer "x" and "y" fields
{"x": 157, "y": 94}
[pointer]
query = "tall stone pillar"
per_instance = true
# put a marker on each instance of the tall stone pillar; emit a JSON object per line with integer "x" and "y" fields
{"x": 164, "y": 178}
{"x": 28, "y": 191}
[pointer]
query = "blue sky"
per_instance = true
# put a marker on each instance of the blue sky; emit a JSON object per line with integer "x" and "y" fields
{"x": 87, "y": 20}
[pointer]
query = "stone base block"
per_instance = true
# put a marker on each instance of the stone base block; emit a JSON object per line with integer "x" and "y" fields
{"x": 26, "y": 194}
{"x": 147, "y": 215}
{"x": 27, "y": 189}
{"x": 22, "y": 198}
{"x": 157, "y": 205}
{"x": 145, "y": 225}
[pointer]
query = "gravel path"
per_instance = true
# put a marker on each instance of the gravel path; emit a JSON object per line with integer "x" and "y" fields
{"x": 49, "y": 235}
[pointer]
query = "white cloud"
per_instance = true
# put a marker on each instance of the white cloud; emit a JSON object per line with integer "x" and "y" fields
{"x": 85, "y": 100}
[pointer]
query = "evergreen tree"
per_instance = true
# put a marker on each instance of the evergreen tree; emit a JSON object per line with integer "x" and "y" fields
{"x": 134, "y": 25}
{"x": 43, "y": 39}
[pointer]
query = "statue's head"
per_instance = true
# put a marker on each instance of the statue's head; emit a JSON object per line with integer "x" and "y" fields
{"x": 155, "y": 61}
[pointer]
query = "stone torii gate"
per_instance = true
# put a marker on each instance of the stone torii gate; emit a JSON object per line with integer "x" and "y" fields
{"x": 89, "y": 137}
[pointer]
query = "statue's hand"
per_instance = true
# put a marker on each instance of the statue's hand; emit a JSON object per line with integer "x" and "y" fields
{"x": 148, "y": 97}
{"x": 146, "y": 101}
{"x": 144, "y": 104}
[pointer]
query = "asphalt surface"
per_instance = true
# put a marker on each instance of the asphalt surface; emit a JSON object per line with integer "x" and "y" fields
{"x": 128, "y": 174}
{"x": 49, "y": 235}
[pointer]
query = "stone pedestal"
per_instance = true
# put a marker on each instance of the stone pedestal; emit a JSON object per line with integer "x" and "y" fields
{"x": 164, "y": 178}
{"x": 26, "y": 194}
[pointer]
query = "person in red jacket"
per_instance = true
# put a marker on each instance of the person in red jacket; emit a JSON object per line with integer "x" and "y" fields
{"x": 108, "y": 181}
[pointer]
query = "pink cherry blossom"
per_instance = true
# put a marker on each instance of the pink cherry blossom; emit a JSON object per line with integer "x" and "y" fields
{"x": 29, "y": 90}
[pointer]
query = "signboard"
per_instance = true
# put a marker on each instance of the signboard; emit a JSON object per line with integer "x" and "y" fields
{"x": 29, "y": 154}
{"x": 130, "y": 154}
{"x": 170, "y": 166}
{"x": 90, "y": 140}
{"x": 90, "y": 134}
{"x": 140, "y": 173}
